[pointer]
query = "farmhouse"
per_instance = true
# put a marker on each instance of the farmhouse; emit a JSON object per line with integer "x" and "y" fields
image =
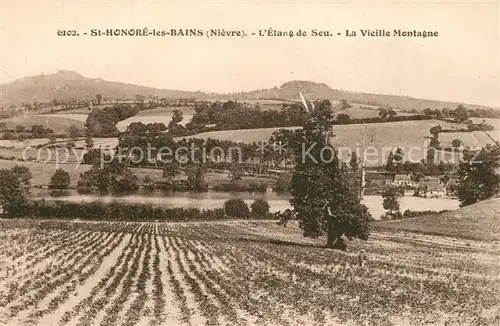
{"x": 431, "y": 187}
{"x": 403, "y": 180}
{"x": 376, "y": 182}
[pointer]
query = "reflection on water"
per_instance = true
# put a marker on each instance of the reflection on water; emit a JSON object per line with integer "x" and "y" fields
{"x": 214, "y": 199}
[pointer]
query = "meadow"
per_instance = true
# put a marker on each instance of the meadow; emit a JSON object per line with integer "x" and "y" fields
{"x": 359, "y": 111}
{"x": 237, "y": 273}
{"x": 478, "y": 221}
{"x": 42, "y": 172}
{"x": 381, "y": 137}
{"x": 81, "y": 110}
{"x": 159, "y": 114}
{"x": 162, "y": 110}
{"x": 474, "y": 139}
{"x": 494, "y": 134}
{"x": 60, "y": 123}
{"x": 494, "y": 122}
{"x": 164, "y": 118}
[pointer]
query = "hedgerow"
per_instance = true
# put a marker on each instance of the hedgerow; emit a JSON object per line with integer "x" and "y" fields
{"x": 116, "y": 211}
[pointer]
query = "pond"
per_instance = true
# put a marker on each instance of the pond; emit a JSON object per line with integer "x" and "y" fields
{"x": 215, "y": 199}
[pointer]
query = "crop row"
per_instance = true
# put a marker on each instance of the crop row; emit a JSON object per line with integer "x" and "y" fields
{"x": 132, "y": 273}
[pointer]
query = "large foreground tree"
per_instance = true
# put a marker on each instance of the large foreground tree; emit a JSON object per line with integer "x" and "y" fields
{"x": 477, "y": 177}
{"x": 325, "y": 199}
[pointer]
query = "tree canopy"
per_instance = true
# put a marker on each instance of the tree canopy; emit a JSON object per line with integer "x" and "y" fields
{"x": 60, "y": 180}
{"x": 325, "y": 199}
{"x": 477, "y": 176}
{"x": 390, "y": 203}
{"x": 12, "y": 196}
{"x": 23, "y": 173}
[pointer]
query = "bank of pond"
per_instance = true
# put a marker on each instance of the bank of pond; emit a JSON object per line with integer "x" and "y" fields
{"x": 213, "y": 200}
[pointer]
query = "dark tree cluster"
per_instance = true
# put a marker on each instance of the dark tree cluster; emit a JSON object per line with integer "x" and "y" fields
{"x": 477, "y": 177}
{"x": 115, "y": 211}
{"x": 397, "y": 163}
{"x": 232, "y": 115}
{"x": 102, "y": 122}
{"x": 115, "y": 178}
{"x": 462, "y": 114}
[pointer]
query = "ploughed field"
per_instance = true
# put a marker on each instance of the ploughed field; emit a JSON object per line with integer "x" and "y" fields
{"x": 237, "y": 273}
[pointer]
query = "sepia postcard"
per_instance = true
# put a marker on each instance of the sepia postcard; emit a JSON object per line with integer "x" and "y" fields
{"x": 249, "y": 163}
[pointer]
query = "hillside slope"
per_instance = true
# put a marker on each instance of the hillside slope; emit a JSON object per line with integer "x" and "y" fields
{"x": 66, "y": 85}
{"x": 479, "y": 221}
{"x": 290, "y": 91}
{"x": 408, "y": 135}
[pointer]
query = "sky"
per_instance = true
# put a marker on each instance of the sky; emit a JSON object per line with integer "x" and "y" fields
{"x": 462, "y": 64}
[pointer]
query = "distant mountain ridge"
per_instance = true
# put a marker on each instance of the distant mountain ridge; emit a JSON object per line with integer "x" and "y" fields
{"x": 67, "y": 85}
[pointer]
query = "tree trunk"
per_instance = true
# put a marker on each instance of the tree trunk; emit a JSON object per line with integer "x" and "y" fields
{"x": 334, "y": 239}
{"x": 331, "y": 236}
{"x": 330, "y": 240}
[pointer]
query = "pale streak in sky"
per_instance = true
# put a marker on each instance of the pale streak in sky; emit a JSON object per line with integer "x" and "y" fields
{"x": 461, "y": 65}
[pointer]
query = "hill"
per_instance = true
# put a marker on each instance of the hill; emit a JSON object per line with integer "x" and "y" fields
{"x": 479, "y": 221}
{"x": 67, "y": 85}
{"x": 290, "y": 90}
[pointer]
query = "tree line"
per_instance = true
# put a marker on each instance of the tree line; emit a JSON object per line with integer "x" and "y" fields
{"x": 102, "y": 122}
{"x": 116, "y": 211}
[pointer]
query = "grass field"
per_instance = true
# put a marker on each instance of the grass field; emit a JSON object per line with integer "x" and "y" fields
{"x": 494, "y": 134}
{"x": 25, "y": 143}
{"x": 164, "y": 118}
{"x": 159, "y": 114}
{"x": 161, "y": 110}
{"x": 42, "y": 172}
{"x": 42, "y": 155}
{"x": 110, "y": 142}
{"x": 83, "y": 110}
{"x": 479, "y": 221}
{"x": 385, "y": 137}
{"x": 474, "y": 139}
{"x": 237, "y": 273}
{"x": 60, "y": 123}
{"x": 358, "y": 111}
{"x": 494, "y": 122}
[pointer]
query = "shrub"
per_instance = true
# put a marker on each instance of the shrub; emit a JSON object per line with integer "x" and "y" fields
{"x": 149, "y": 188}
{"x": 92, "y": 157}
{"x": 284, "y": 216}
{"x": 234, "y": 187}
{"x": 283, "y": 183}
{"x": 391, "y": 216}
{"x": 409, "y": 213}
{"x": 260, "y": 207}
{"x": 115, "y": 211}
{"x": 84, "y": 190}
{"x": 236, "y": 208}
{"x": 60, "y": 180}
{"x": 58, "y": 193}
